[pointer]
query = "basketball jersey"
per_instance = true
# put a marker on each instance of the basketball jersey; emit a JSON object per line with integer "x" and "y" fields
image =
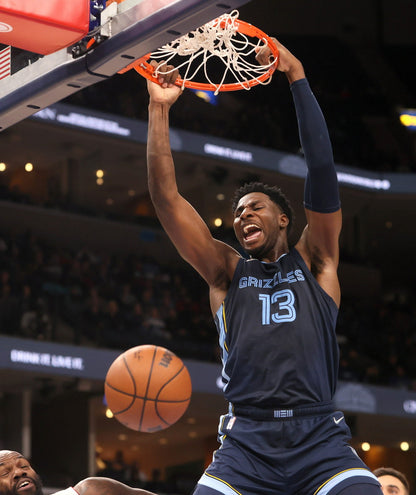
{"x": 67, "y": 491}
{"x": 277, "y": 335}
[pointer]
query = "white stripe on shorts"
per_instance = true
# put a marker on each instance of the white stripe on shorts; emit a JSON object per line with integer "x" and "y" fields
{"x": 338, "y": 478}
{"x": 217, "y": 484}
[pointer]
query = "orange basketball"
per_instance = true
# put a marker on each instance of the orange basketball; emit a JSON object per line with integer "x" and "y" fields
{"x": 148, "y": 388}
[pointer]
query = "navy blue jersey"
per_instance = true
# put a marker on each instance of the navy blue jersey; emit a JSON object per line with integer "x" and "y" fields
{"x": 277, "y": 334}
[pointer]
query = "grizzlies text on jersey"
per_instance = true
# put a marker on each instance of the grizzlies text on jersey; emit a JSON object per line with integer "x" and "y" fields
{"x": 278, "y": 325}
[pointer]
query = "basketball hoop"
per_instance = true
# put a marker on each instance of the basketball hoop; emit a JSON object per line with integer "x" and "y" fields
{"x": 225, "y": 41}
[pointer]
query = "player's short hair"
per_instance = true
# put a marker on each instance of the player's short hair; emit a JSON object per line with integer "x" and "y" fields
{"x": 274, "y": 193}
{"x": 389, "y": 471}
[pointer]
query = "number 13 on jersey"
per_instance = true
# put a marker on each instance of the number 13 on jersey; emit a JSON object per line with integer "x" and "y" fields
{"x": 278, "y": 307}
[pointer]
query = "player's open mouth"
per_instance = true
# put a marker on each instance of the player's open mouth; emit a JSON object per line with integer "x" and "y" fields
{"x": 251, "y": 232}
{"x": 24, "y": 485}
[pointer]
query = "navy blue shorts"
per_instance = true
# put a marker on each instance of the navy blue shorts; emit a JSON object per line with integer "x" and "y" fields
{"x": 305, "y": 454}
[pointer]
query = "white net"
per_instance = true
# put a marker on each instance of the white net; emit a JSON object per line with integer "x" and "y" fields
{"x": 222, "y": 40}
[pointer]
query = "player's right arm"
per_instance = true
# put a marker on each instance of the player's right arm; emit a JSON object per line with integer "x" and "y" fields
{"x": 214, "y": 260}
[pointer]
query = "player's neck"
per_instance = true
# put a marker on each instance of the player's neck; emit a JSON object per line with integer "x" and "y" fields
{"x": 273, "y": 255}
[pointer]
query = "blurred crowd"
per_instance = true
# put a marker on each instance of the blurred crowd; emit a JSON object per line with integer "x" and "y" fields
{"x": 112, "y": 301}
{"x": 377, "y": 340}
{"x": 100, "y": 299}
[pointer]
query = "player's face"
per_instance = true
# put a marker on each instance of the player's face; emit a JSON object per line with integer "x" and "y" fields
{"x": 258, "y": 224}
{"x": 390, "y": 485}
{"x": 17, "y": 477}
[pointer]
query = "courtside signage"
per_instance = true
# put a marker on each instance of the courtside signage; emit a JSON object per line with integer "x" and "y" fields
{"x": 56, "y": 359}
{"x": 47, "y": 359}
{"x": 78, "y": 119}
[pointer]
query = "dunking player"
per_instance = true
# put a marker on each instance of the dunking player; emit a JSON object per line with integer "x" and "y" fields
{"x": 275, "y": 313}
{"x": 17, "y": 477}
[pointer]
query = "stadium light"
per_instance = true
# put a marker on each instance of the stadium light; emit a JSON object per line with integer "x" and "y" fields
{"x": 408, "y": 118}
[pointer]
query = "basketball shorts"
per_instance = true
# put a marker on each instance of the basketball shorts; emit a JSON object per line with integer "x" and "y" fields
{"x": 292, "y": 452}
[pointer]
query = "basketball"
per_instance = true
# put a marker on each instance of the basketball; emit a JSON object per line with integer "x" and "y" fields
{"x": 148, "y": 388}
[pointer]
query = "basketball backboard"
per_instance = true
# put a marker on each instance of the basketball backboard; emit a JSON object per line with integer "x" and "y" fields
{"x": 130, "y": 28}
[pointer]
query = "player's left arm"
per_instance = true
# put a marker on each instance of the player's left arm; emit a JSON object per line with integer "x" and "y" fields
{"x": 319, "y": 243}
{"x": 106, "y": 486}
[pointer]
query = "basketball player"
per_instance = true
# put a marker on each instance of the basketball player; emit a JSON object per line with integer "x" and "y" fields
{"x": 393, "y": 482}
{"x": 17, "y": 477}
{"x": 275, "y": 314}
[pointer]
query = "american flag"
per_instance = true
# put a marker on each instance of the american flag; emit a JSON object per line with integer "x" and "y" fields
{"x": 5, "y": 62}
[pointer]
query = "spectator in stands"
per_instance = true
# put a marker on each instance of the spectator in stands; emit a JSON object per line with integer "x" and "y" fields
{"x": 135, "y": 320}
{"x": 27, "y": 305}
{"x": 127, "y": 298}
{"x": 155, "y": 327}
{"x": 138, "y": 477}
{"x": 37, "y": 324}
{"x": 393, "y": 482}
{"x": 9, "y": 306}
{"x": 120, "y": 468}
{"x": 93, "y": 317}
{"x": 74, "y": 306}
{"x": 156, "y": 482}
{"x": 114, "y": 325}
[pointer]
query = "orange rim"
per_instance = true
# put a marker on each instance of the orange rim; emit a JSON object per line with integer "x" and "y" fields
{"x": 142, "y": 66}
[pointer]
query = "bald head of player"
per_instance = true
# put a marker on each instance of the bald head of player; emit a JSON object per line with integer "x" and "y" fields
{"x": 17, "y": 477}
{"x": 392, "y": 481}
